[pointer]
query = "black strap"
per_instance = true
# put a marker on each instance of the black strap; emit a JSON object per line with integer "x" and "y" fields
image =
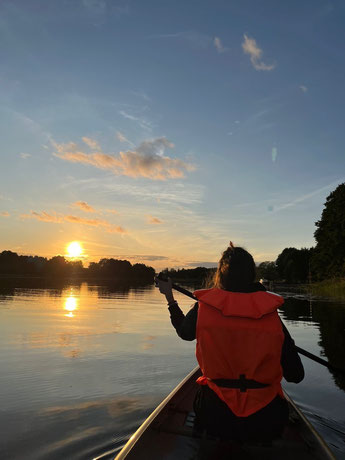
{"x": 242, "y": 383}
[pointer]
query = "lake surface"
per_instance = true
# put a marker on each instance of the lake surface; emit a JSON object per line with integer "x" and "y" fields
{"x": 82, "y": 365}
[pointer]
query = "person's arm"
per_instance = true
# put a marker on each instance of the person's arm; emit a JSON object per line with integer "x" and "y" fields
{"x": 293, "y": 370}
{"x": 185, "y": 325}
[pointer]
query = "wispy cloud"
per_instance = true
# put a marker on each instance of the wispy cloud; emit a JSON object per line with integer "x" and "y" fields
{"x": 25, "y": 156}
{"x": 43, "y": 217}
{"x": 303, "y": 88}
{"x": 96, "y": 223}
{"x": 218, "y": 45}
{"x": 94, "y": 5}
{"x": 84, "y": 206}
{"x": 177, "y": 193}
{"x": 100, "y": 9}
{"x": 122, "y": 138}
{"x": 250, "y": 47}
{"x": 272, "y": 207}
{"x": 147, "y": 160}
{"x": 154, "y": 220}
{"x": 139, "y": 257}
{"x": 142, "y": 121}
{"x": 193, "y": 38}
{"x": 91, "y": 143}
{"x": 196, "y": 40}
{"x": 58, "y": 219}
{"x": 142, "y": 95}
{"x": 257, "y": 122}
{"x": 202, "y": 264}
{"x": 4, "y": 214}
{"x": 30, "y": 125}
{"x": 307, "y": 196}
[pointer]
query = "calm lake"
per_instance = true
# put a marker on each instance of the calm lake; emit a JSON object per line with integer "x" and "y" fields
{"x": 82, "y": 365}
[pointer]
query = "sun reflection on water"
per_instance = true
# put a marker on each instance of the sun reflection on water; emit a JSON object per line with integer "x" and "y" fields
{"x": 71, "y": 304}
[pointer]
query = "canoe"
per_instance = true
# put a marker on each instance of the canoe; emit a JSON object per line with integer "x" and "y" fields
{"x": 167, "y": 434}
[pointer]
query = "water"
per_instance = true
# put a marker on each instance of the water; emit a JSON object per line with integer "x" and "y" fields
{"x": 83, "y": 365}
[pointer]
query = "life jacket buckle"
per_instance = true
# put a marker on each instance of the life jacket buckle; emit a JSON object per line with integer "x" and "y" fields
{"x": 243, "y": 384}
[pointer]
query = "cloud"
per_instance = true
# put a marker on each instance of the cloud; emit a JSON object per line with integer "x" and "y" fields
{"x": 58, "y": 219}
{"x": 95, "y": 223}
{"x": 306, "y": 196}
{"x": 25, "y": 156}
{"x": 250, "y": 47}
{"x": 30, "y": 125}
{"x": 91, "y": 143}
{"x": 193, "y": 38}
{"x": 122, "y": 138}
{"x": 218, "y": 45}
{"x": 154, "y": 220}
{"x": 4, "y": 214}
{"x": 102, "y": 8}
{"x": 143, "y": 122}
{"x": 142, "y": 95}
{"x": 147, "y": 160}
{"x": 202, "y": 264}
{"x": 303, "y": 88}
{"x": 43, "y": 217}
{"x": 140, "y": 257}
{"x": 84, "y": 206}
{"x": 175, "y": 193}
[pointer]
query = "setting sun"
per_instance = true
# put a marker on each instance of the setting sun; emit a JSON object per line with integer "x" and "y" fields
{"x": 74, "y": 249}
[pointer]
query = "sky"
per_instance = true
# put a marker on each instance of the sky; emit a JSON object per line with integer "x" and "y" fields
{"x": 157, "y": 131}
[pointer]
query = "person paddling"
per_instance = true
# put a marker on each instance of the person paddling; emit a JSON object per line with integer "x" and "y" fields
{"x": 243, "y": 351}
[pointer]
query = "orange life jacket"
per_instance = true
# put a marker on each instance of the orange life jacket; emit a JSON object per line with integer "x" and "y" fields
{"x": 239, "y": 335}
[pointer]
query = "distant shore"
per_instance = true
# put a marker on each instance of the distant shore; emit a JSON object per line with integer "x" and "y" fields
{"x": 17, "y": 280}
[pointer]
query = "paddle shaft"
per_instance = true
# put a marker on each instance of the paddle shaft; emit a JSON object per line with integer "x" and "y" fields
{"x": 306, "y": 353}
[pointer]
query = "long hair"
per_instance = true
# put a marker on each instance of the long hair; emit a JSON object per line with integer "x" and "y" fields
{"x": 236, "y": 270}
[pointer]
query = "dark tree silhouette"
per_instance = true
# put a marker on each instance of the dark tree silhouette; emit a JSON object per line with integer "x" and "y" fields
{"x": 294, "y": 265}
{"x": 267, "y": 270}
{"x": 58, "y": 267}
{"x": 198, "y": 275}
{"x": 329, "y": 256}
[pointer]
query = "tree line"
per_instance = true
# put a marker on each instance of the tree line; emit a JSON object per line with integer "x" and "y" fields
{"x": 59, "y": 267}
{"x": 326, "y": 260}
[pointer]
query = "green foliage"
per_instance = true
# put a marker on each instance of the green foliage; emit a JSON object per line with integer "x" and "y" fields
{"x": 293, "y": 265}
{"x": 267, "y": 270}
{"x": 329, "y": 288}
{"x": 329, "y": 256}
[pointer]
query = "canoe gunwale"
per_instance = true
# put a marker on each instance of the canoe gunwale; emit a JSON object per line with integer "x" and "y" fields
{"x": 322, "y": 443}
{"x": 158, "y": 418}
{"x": 151, "y": 418}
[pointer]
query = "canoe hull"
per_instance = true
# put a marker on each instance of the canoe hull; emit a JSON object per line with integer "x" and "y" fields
{"x": 167, "y": 434}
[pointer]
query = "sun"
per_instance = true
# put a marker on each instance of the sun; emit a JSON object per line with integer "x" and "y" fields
{"x": 74, "y": 249}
